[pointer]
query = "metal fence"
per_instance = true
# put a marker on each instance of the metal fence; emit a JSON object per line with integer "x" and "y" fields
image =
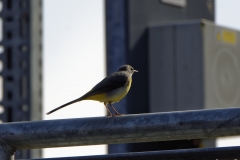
{"x": 125, "y": 129}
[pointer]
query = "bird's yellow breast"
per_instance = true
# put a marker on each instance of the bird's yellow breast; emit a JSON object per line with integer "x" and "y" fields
{"x": 112, "y": 96}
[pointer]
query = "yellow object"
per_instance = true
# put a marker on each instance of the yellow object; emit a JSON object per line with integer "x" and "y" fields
{"x": 227, "y": 36}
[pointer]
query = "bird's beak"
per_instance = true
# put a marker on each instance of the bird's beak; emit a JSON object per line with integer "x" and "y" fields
{"x": 135, "y": 70}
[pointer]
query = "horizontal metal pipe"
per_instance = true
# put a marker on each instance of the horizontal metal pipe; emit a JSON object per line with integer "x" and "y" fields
{"x": 123, "y": 129}
{"x": 226, "y": 153}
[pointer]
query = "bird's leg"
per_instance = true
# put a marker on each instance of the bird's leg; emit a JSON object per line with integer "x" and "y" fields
{"x": 109, "y": 113}
{"x": 117, "y": 114}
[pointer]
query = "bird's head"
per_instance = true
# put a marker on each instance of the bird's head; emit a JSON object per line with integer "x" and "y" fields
{"x": 127, "y": 68}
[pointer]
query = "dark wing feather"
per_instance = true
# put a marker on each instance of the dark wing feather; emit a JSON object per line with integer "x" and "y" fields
{"x": 111, "y": 82}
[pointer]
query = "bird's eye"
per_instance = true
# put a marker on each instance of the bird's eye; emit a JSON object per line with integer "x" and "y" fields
{"x": 131, "y": 68}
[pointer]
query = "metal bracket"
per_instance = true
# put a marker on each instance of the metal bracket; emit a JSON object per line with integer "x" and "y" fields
{"x": 6, "y": 151}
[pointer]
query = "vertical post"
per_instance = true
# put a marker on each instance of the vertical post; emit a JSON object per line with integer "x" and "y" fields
{"x": 35, "y": 63}
{"x": 116, "y": 39}
{"x": 6, "y": 153}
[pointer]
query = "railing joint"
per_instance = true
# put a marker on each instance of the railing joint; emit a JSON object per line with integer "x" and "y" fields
{"x": 6, "y": 151}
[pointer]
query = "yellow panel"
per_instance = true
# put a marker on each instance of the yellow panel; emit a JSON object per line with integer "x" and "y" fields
{"x": 229, "y": 37}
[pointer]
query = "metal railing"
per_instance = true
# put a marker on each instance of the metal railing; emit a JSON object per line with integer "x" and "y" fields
{"x": 123, "y": 129}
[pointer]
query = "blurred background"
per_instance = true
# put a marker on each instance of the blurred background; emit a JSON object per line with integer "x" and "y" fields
{"x": 54, "y": 51}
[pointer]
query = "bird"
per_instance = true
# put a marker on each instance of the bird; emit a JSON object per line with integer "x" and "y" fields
{"x": 110, "y": 90}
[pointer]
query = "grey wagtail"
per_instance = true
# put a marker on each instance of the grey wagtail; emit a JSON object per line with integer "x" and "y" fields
{"x": 110, "y": 90}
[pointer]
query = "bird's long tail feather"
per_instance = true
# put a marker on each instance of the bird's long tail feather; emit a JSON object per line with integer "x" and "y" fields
{"x": 74, "y": 101}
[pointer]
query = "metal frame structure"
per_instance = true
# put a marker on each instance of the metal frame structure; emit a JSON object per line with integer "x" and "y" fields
{"x": 123, "y": 129}
{"x": 21, "y": 61}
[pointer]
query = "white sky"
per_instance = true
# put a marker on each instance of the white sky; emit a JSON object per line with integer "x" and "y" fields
{"x": 74, "y": 60}
{"x": 227, "y": 13}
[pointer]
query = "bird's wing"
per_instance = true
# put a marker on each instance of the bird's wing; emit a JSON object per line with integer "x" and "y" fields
{"x": 109, "y": 83}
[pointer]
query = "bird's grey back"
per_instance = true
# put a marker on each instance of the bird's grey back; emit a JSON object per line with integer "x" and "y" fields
{"x": 119, "y": 78}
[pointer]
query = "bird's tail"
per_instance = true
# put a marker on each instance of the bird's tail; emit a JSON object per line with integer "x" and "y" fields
{"x": 74, "y": 101}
